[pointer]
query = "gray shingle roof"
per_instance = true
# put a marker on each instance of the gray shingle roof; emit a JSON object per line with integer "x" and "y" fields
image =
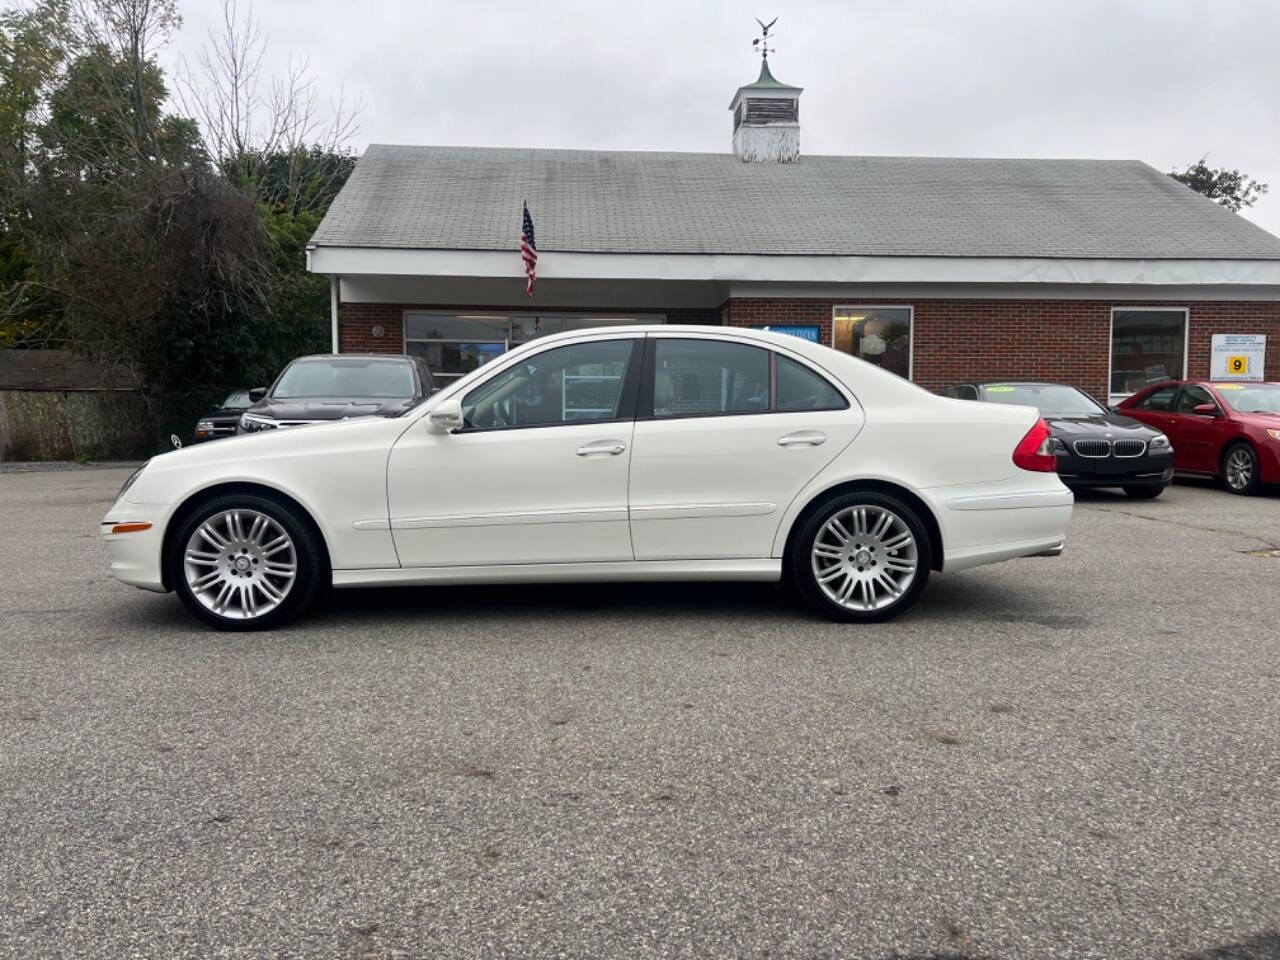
{"x": 468, "y": 198}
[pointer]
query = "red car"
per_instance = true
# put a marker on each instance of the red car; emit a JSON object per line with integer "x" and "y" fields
{"x": 1225, "y": 430}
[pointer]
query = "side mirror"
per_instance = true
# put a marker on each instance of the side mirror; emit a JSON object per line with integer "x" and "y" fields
{"x": 1205, "y": 410}
{"x": 1113, "y": 408}
{"x": 447, "y": 417}
{"x": 257, "y": 393}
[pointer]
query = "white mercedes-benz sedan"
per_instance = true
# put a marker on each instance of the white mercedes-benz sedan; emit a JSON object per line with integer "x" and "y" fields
{"x": 626, "y": 453}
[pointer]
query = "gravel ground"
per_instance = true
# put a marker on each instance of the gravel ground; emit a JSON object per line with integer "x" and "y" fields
{"x": 1073, "y": 757}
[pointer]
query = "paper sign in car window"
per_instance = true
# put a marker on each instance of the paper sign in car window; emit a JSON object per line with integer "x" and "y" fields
{"x": 999, "y": 389}
{"x": 1229, "y": 386}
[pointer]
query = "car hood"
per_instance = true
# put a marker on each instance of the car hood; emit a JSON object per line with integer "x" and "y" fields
{"x": 229, "y": 413}
{"x": 1103, "y": 425}
{"x": 1271, "y": 420}
{"x": 329, "y": 408}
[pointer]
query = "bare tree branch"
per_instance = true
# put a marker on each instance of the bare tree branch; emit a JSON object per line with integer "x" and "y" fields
{"x": 247, "y": 119}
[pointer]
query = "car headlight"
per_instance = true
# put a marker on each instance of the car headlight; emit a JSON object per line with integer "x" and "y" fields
{"x": 133, "y": 477}
{"x": 1273, "y": 434}
{"x": 1159, "y": 443}
{"x": 252, "y": 422}
{"x": 204, "y": 428}
{"x": 1059, "y": 446}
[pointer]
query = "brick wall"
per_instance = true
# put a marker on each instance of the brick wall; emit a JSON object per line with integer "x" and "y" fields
{"x": 1068, "y": 340}
{"x": 357, "y": 323}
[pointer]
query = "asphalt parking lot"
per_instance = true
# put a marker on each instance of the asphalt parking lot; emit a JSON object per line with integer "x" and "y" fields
{"x": 1074, "y": 757}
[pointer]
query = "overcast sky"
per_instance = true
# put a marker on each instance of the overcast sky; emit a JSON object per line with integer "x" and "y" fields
{"x": 1164, "y": 81}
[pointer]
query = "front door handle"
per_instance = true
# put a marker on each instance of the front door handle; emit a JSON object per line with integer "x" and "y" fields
{"x": 811, "y": 438}
{"x": 598, "y": 447}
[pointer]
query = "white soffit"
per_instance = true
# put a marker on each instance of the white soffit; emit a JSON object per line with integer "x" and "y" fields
{"x": 729, "y": 268}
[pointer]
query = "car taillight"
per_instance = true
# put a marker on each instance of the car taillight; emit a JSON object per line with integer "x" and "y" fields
{"x": 1035, "y": 450}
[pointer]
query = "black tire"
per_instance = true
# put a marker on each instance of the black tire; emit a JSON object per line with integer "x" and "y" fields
{"x": 800, "y": 559}
{"x": 308, "y": 552}
{"x": 1145, "y": 491}
{"x": 1244, "y": 479}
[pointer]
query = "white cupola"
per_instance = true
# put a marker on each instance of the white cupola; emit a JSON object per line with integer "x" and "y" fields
{"x": 766, "y": 120}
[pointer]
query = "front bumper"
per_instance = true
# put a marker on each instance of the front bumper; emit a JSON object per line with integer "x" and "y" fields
{"x": 136, "y": 556}
{"x": 1150, "y": 468}
{"x": 1268, "y": 461}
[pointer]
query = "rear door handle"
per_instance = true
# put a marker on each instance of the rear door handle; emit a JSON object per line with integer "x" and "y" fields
{"x": 811, "y": 438}
{"x": 598, "y": 447}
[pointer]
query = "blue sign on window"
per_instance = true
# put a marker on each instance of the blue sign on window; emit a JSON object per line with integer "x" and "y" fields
{"x": 804, "y": 332}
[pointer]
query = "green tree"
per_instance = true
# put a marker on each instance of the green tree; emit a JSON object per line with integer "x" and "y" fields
{"x": 142, "y": 237}
{"x": 1230, "y": 188}
{"x": 33, "y": 48}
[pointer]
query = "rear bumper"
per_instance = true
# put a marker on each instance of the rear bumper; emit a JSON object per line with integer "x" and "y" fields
{"x": 136, "y": 557}
{"x": 979, "y": 526}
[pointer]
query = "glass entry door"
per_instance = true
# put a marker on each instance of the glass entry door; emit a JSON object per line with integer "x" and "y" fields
{"x": 455, "y": 344}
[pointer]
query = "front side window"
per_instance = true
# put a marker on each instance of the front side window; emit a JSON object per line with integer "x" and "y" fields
{"x": 799, "y": 388}
{"x": 1147, "y": 346}
{"x": 878, "y": 335}
{"x": 343, "y": 377}
{"x": 1191, "y": 397}
{"x": 699, "y": 377}
{"x": 579, "y": 382}
{"x": 1161, "y": 399}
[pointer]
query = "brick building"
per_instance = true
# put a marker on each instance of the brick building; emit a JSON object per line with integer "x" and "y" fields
{"x": 1105, "y": 274}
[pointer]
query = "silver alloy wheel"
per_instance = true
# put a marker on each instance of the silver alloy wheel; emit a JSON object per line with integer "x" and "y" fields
{"x": 240, "y": 564}
{"x": 864, "y": 557}
{"x": 1239, "y": 468}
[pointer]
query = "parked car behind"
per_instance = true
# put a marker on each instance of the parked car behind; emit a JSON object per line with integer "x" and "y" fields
{"x": 1095, "y": 447}
{"x": 341, "y": 386}
{"x": 1230, "y": 431}
{"x": 222, "y": 420}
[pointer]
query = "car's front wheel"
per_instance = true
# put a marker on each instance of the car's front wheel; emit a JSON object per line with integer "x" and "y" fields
{"x": 1240, "y": 469}
{"x": 861, "y": 557}
{"x": 245, "y": 562}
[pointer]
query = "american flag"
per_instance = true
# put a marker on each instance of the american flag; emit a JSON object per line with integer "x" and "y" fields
{"x": 528, "y": 250}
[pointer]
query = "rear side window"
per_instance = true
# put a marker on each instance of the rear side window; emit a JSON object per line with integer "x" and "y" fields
{"x": 1161, "y": 399}
{"x": 693, "y": 377}
{"x": 963, "y": 391}
{"x": 799, "y": 388}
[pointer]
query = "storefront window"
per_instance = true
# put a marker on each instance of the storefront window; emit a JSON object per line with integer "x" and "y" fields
{"x": 456, "y": 344}
{"x": 1147, "y": 346}
{"x": 879, "y": 335}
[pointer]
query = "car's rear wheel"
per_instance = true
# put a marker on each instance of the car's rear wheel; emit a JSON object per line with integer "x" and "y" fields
{"x": 1240, "y": 469}
{"x": 1144, "y": 491}
{"x": 861, "y": 557}
{"x": 245, "y": 562}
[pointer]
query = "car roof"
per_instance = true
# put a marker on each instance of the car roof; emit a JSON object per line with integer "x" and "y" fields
{"x": 377, "y": 357}
{"x": 1014, "y": 380}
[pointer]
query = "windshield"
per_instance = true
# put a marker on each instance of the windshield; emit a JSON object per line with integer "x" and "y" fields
{"x": 339, "y": 377}
{"x": 1251, "y": 397}
{"x": 236, "y": 400}
{"x": 1052, "y": 399}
